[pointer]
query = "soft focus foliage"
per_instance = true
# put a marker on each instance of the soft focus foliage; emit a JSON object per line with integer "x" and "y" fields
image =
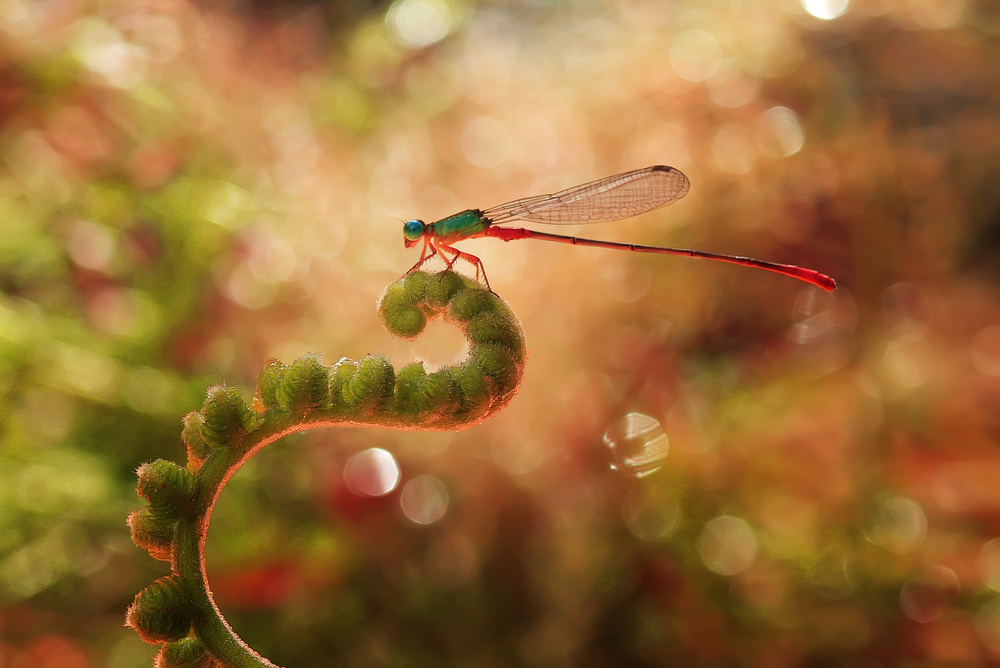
{"x": 190, "y": 189}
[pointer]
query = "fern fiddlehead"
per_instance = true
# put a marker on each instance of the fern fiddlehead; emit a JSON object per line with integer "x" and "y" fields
{"x": 177, "y": 611}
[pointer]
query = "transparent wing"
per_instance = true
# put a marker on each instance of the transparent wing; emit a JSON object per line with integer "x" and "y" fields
{"x": 612, "y": 198}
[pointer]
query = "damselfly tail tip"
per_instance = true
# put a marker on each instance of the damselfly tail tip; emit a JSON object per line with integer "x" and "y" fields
{"x": 828, "y": 283}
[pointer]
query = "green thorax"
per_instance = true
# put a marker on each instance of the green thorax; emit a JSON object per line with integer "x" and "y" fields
{"x": 461, "y": 225}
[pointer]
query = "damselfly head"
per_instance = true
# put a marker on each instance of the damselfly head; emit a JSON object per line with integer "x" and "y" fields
{"x": 412, "y": 231}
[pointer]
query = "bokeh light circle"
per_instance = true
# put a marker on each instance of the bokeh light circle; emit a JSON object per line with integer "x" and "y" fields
{"x": 419, "y": 23}
{"x": 637, "y": 443}
{"x": 779, "y": 133}
{"x": 424, "y": 500}
{"x": 651, "y": 513}
{"x": 372, "y": 472}
{"x": 927, "y": 596}
{"x": 727, "y": 545}
{"x": 695, "y": 55}
{"x": 898, "y": 524}
{"x": 825, "y": 9}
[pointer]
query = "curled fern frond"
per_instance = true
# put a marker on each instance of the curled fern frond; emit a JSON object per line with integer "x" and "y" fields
{"x": 161, "y": 611}
{"x": 178, "y": 611}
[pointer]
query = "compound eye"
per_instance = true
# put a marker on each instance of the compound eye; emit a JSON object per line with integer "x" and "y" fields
{"x": 413, "y": 230}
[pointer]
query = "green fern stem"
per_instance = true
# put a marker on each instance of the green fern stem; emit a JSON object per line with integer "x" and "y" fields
{"x": 178, "y": 611}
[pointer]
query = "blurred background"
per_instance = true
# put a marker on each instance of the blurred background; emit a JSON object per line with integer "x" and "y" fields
{"x": 705, "y": 463}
